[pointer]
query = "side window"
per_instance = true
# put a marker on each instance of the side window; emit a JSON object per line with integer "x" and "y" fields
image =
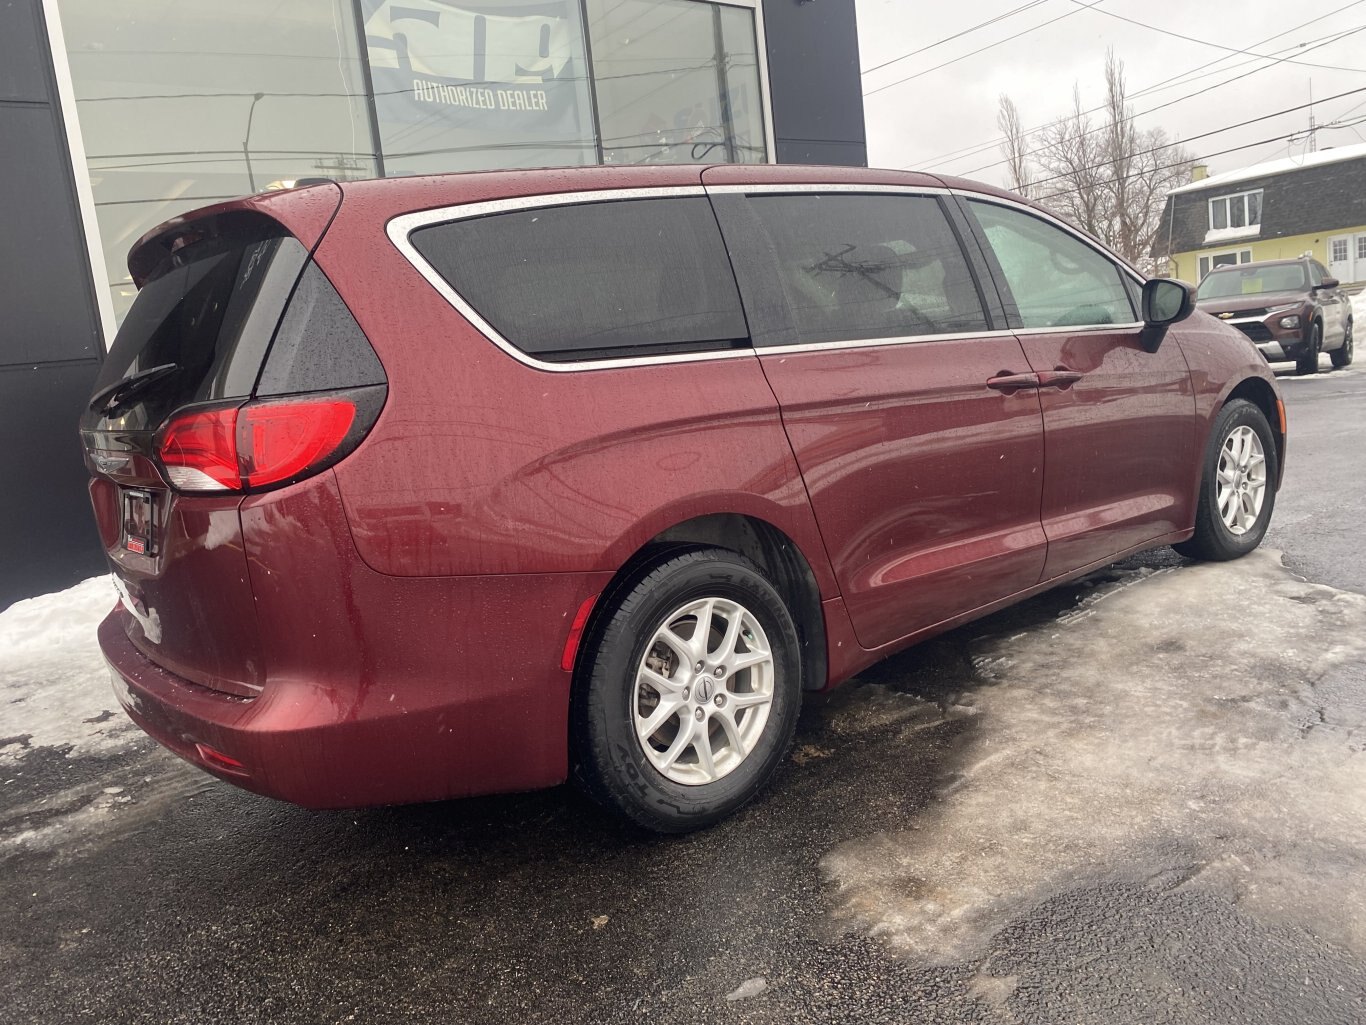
{"x": 863, "y": 266}
{"x": 595, "y": 280}
{"x": 1316, "y": 272}
{"x": 1056, "y": 279}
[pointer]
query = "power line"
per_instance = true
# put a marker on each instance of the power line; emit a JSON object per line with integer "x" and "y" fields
{"x": 1217, "y": 46}
{"x": 1171, "y": 81}
{"x": 1168, "y": 167}
{"x": 957, "y": 35}
{"x": 1160, "y": 106}
{"x": 1204, "y": 135}
{"x": 983, "y": 49}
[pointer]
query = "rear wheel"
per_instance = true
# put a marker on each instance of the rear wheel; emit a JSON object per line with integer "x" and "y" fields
{"x": 689, "y": 693}
{"x": 1309, "y": 362}
{"x": 1342, "y": 356}
{"x": 1237, "y": 487}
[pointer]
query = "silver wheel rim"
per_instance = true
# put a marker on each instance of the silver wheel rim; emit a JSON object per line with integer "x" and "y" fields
{"x": 703, "y": 691}
{"x": 1242, "y": 480}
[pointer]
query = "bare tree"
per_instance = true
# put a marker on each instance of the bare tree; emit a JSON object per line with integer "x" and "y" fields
{"x": 1108, "y": 177}
{"x": 1017, "y": 158}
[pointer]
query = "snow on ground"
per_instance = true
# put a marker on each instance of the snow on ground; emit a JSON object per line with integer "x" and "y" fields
{"x": 54, "y": 684}
{"x": 1359, "y": 308}
{"x": 1201, "y": 726}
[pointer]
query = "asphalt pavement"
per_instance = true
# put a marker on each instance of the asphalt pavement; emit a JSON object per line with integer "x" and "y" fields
{"x": 1139, "y": 798}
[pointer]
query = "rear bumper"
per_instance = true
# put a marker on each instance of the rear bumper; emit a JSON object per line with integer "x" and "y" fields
{"x": 423, "y": 717}
{"x": 285, "y": 746}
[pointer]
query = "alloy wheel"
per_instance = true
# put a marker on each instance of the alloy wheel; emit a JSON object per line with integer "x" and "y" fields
{"x": 703, "y": 690}
{"x": 1241, "y": 485}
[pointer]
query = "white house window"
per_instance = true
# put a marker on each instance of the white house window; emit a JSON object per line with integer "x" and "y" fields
{"x": 1361, "y": 247}
{"x": 1241, "y": 210}
{"x": 1340, "y": 250}
{"x": 1207, "y": 263}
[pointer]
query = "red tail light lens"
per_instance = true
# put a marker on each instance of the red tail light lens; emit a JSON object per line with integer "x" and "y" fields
{"x": 256, "y": 445}
{"x": 199, "y": 451}
{"x": 280, "y": 440}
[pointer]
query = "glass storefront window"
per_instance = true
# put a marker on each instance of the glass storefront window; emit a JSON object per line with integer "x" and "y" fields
{"x": 677, "y": 82}
{"x": 188, "y": 103}
{"x": 185, "y": 104}
{"x": 467, "y": 85}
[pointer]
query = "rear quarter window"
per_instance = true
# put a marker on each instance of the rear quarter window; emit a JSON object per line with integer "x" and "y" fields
{"x": 590, "y": 281}
{"x": 319, "y": 346}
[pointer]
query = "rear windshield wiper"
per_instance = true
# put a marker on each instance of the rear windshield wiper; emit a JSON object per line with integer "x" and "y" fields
{"x": 107, "y": 400}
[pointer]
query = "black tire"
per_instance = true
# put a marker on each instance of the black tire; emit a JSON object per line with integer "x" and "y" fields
{"x": 610, "y": 760}
{"x": 1342, "y": 355}
{"x": 1309, "y": 362}
{"x": 1213, "y": 540}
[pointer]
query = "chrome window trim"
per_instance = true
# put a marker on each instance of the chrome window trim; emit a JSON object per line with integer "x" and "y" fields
{"x": 1081, "y": 329}
{"x": 733, "y": 188}
{"x": 401, "y": 227}
{"x": 868, "y": 343}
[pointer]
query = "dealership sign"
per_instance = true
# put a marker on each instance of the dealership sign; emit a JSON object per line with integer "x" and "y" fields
{"x": 504, "y": 72}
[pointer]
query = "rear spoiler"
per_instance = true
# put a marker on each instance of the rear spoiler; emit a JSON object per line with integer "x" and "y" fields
{"x": 304, "y": 212}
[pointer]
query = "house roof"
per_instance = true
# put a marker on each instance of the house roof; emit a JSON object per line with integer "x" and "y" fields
{"x": 1269, "y": 167}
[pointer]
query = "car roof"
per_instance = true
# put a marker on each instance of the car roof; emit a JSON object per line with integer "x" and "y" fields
{"x": 428, "y": 191}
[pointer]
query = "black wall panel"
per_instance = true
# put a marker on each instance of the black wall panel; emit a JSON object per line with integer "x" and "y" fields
{"x": 50, "y": 345}
{"x": 813, "y": 72}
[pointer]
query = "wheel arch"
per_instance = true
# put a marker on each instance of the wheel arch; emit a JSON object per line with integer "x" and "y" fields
{"x": 778, "y": 557}
{"x": 1262, "y": 395}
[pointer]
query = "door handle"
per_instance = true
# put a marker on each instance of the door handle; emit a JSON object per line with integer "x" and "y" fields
{"x": 1059, "y": 378}
{"x": 1006, "y": 381}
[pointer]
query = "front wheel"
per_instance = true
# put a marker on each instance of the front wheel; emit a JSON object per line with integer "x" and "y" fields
{"x": 1237, "y": 486}
{"x": 1308, "y": 363}
{"x": 689, "y": 694}
{"x": 1342, "y": 355}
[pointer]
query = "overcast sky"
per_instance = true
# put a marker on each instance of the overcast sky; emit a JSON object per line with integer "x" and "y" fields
{"x": 921, "y": 122}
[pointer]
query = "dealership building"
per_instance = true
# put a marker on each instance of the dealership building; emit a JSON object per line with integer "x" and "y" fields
{"x": 119, "y": 114}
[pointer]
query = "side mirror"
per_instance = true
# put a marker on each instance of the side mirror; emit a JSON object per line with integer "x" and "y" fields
{"x": 1328, "y": 283}
{"x": 1165, "y": 301}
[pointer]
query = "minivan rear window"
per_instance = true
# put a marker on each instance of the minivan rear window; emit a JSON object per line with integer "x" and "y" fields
{"x": 590, "y": 281}
{"x": 209, "y": 311}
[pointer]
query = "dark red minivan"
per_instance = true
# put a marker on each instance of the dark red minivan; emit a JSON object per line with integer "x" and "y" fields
{"x": 429, "y": 487}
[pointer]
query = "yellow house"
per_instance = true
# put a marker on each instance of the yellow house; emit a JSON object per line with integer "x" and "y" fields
{"x": 1311, "y": 205}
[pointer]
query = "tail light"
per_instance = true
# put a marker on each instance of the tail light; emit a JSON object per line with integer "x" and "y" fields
{"x": 264, "y": 443}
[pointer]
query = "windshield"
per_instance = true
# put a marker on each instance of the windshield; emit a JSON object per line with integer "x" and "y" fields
{"x": 1253, "y": 280}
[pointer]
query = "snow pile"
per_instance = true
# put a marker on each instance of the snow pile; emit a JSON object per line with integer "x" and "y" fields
{"x": 54, "y": 684}
{"x": 1358, "y": 310}
{"x": 1197, "y": 727}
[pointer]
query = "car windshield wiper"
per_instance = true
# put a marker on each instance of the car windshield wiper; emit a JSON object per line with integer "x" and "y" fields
{"x": 108, "y": 400}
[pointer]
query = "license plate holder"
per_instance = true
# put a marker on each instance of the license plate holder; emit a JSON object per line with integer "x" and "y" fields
{"x": 139, "y": 522}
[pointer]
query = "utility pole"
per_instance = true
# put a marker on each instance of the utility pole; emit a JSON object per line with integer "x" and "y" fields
{"x": 246, "y": 140}
{"x": 1313, "y": 140}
